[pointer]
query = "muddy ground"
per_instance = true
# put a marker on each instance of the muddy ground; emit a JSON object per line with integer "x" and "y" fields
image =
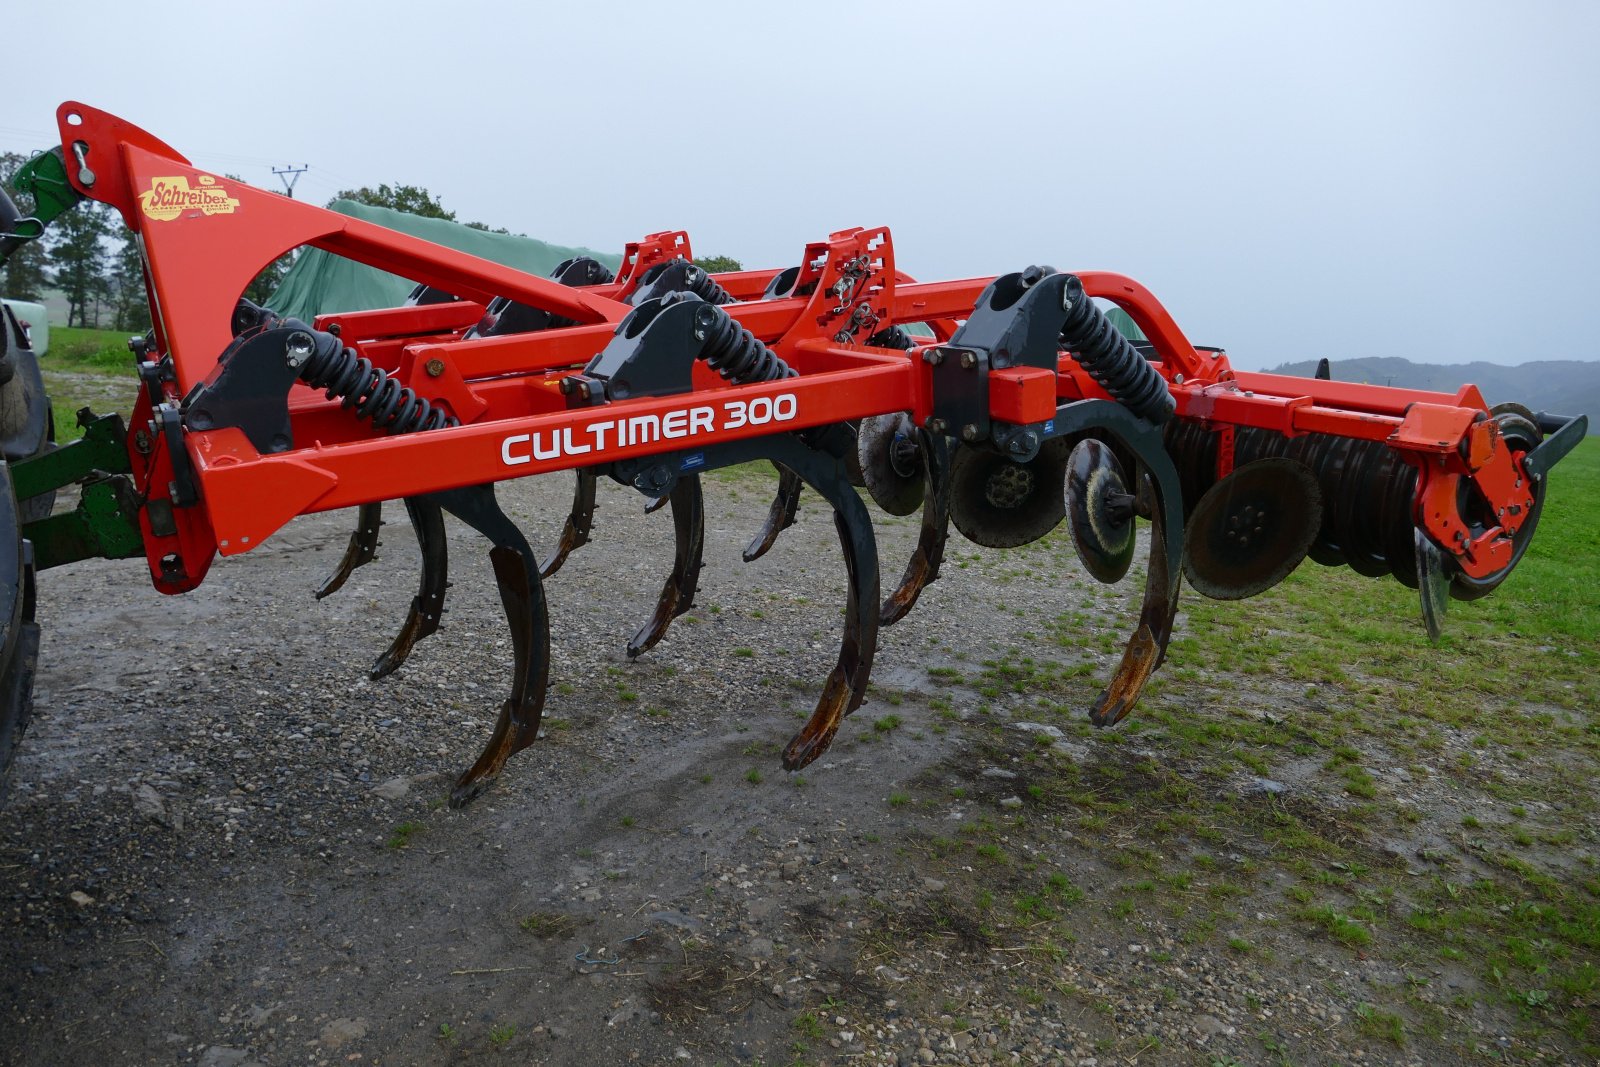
{"x": 223, "y": 845}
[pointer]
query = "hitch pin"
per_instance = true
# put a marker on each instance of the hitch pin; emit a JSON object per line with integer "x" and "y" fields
{"x": 80, "y": 151}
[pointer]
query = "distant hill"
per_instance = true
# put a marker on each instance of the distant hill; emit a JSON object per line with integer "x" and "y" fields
{"x": 1559, "y": 386}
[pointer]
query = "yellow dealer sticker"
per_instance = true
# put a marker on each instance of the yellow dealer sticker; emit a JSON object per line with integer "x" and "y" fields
{"x": 167, "y": 198}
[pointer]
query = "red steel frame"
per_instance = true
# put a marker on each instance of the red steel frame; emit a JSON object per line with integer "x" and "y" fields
{"x": 205, "y": 238}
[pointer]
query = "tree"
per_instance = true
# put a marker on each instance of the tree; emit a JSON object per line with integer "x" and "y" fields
{"x": 718, "y": 264}
{"x": 78, "y": 254}
{"x": 23, "y": 277}
{"x": 409, "y": 198}
{"x": 129, "y": 308}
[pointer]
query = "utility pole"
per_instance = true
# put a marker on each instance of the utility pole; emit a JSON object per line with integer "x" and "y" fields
{"x": 290, "y": 175}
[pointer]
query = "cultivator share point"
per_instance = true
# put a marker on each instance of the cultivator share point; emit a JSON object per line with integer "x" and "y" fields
{"x": 1005, "y": 405}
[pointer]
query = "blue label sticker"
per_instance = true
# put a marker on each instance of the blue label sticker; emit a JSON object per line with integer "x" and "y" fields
{"x": 693, "y": 460}
{"x": 1050, "y": 426}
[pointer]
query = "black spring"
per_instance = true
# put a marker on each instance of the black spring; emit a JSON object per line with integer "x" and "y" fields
{"x": 368, "y": 390}
{"x": 1111, "y": 360}
{"x": 892, "y": 337}
{"x": 582, "y": 270}
{"x": 733, "y": 351}
{"x": 574, "y": 272}
{"x": 1367, "y": 491}
{"x": 679, "y": 276}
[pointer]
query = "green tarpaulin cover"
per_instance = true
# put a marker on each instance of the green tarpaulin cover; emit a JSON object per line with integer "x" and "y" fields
{"x": 320, "y": 282}
{"x": 1125, "y": 324}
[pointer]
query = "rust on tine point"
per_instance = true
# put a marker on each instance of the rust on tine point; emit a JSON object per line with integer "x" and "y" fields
{"x": 516, "y": 572}
{"x": 427, "y": 607}
{"x": 922, "y": 569}
{"x": 361, "y": 550}
{"x": 580, "y": 521}
{"x": 846, "y": 686}
{"x": 780, "y": 516}
{"x": 689, "y": 537}
{"x": 1148, "y": 645}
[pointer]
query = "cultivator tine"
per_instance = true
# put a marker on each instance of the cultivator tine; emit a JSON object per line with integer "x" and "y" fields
{"x": 689, "y": 541}
{"x": 846, "y": 686}
{"x": 780, "y": 516}
{"x": 522, "y": 594}
{"x": 362, "y": 549}
{"x": 428, "y": 605}
{"x": 923, "y": 568}
{"x": 1148, "y": 645}
{"x": 580, "y": 520}
{"x": 656, "y": 503}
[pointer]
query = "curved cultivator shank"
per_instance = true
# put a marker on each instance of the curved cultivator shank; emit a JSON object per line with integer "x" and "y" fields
{"x": 1002, "y": 405}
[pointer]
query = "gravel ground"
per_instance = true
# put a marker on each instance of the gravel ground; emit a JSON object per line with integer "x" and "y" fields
{"x": 224, "y": 846}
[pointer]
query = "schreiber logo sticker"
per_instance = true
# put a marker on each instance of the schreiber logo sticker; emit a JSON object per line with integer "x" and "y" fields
{"x": 167, "y": 198}
{"x": 633, "y": 430}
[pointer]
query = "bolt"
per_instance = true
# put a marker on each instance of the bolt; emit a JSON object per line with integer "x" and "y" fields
{"x": 933, "y": 357}
{"x": 142, "y": 443}
{"x": 567, "y": 385}
{"x": 1021, "y": 443}
{"x": 936, "y": 425}
{"x": 969, "y": 360}
{"x": 969, "y": 432}
{"x": 435, "y": 367}
{"x": 297, "y": 349}
{"x": 1177, "y": 379}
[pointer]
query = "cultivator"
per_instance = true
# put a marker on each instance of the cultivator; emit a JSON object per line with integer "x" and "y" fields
{"x": 1004, "y": 405}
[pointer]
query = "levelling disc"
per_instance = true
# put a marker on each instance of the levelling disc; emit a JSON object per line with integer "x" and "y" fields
{"x": 1251, "y": 529}
{"x": 1000, "y": 503}
{"x": 891, "y": 466}
{"x": 1099, "y": 511}
{"x": 1433, "y": 585}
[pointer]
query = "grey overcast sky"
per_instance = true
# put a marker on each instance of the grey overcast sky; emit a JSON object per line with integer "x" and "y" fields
{"x": 1292, "y": 179}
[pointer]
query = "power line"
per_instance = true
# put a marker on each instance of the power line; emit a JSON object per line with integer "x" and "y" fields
{"x": 289, "y": 176}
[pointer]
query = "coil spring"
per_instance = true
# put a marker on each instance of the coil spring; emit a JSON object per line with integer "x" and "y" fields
{"x": 680, "y": 276}
{"x": 892, "y": 337}
{"x": 582, "y": 270}
{"x": 733, "y": 351}
{"x": 370, "y": 391}
{"x": 1101, "y": 350}
{"x": 575, "y": 272}
{"x": 1367, "y": 491}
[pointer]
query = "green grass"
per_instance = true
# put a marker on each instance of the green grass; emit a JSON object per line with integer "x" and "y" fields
{"x": 78, "y": 349}
{"x": 87, "y": 368}
{"x": 1439, "y": 805}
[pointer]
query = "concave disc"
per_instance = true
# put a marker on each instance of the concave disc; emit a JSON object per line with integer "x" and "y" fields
{"x": 891, "y": 467}
{"x": 1099, "y": 511}
{"x": 1251, "y": 529}
{"x": 1433, "y": 586}
{"x": 1000, "y": 503}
